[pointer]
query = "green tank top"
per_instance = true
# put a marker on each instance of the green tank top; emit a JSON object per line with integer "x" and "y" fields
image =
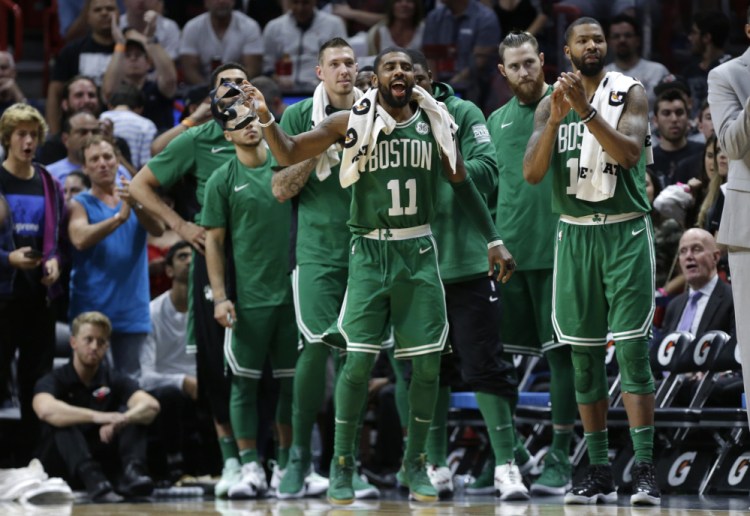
{"x": 398, "y": 187}
{"x": 630, "y": 193}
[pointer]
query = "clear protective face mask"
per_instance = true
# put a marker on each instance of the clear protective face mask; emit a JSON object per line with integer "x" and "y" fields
{"x": 235, "y": 108}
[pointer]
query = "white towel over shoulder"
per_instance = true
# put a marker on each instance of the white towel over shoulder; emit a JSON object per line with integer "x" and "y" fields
{"x": 609, "y": 101}
{"x": 330, "y": 158}
{"x": 368, "y": 119}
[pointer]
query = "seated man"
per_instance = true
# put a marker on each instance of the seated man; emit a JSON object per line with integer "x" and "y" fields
{"x": 168, "y": 371}
{"x": 87, "y": 431}
{"x": 707, "y": 305}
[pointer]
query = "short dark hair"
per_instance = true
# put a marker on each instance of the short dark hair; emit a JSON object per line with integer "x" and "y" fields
{"x": 169, "y": 258}
{"x": 515, "y": 39}
{"x": 127, "y": 95}
{"x": 585, "y": 20}
{"x": 67, "y": 126}
{"x": 418, "y": 58}
{"x": 333, "y": 43}
{"x": 625, "y": 18}
{"x": 222, "y": 68}
{"x": 388, "y": 50}
{"x": 76, "y": 78}
{"x": 83, "y": 177}
{"x": 714, "y": 23}
{"x": 669, "y": 96}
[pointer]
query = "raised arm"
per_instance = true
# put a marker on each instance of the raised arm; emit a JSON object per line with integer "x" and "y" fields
{"x": 624, "y": 143}
{"x": 542, "y": 141}
{"x": 289, "y": 150}
{"x": 731, "y": 119}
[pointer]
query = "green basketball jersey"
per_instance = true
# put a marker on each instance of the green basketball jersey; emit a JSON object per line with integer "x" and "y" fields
{"x": 462, "y": 247}
{"x": 398, "y": 187}
{"x": 323, "y": 206}
{"x": 523, "y": 216}
{"x": 630, "y": 193}
{"x": 197, "y": 152}
{"x": 239, "y": 199}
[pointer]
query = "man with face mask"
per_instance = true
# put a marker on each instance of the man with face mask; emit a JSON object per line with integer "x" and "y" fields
{"x": 604, "y": 259}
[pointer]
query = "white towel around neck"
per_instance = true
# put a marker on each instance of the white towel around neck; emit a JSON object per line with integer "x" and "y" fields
{"x": 609, "y": 101}
{"x": 330, "y": 158}
{"x": 366, "y": 123}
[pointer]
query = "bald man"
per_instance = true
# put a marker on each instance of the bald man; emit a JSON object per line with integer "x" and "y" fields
{"x": 711, "y": 299}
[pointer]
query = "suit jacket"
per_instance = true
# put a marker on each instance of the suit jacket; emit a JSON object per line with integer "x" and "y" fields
{"x": 718, "y": 315}
{"x": 729, "y": 98}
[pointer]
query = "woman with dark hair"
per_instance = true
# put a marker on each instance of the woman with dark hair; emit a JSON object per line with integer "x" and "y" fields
{"x": 403, "y": 27}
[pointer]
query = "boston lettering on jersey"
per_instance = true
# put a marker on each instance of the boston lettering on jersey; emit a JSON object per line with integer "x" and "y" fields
{"x": 402, "y": 152}
{"x": 569, "y": 138}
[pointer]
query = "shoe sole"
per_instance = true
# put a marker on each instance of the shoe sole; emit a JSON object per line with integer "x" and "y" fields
{"x": 290, "y": 496}
{"x": 336, "y": 501}
{"x": 571, "y": 499}
{"x": 644, "y": 499}
{"x": 513, "y": 495}
{"x": 366, "y": 493}
{"x": 542, "y": 490}
{"x": 422, "y": 498}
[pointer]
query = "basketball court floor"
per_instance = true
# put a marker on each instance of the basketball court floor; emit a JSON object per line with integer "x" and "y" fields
{"x": 395, "y": 504}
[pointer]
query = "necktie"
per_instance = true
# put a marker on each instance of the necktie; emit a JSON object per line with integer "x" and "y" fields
{"x": 689, "y": 313}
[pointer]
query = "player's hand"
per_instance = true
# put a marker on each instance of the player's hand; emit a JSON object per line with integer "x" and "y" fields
{"x": 254, "y": 95}
{"x": 224, "y": 313}
{"x": 202, "y": 112}
{"x": 501, "y": 259}
{"x": 51, "y": 272}
{"x": 19, "y": 260}
{"x": 559, "y": 106}
{"x": 108, "y": 418}
{"x": 574, "y": 92}
{"x": 193, "y": 234}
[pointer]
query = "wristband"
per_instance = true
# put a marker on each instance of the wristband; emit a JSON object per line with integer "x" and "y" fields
{"x": 119, "y": 47}
{"x": 188, "y": 123}
{"x": 494, "y": 243}
{"x": 590, "y": 116}
{"x": 267, "y": 124}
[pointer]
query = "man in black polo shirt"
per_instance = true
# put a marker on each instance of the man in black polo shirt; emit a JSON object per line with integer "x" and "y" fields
{"x": 85, "y": 430}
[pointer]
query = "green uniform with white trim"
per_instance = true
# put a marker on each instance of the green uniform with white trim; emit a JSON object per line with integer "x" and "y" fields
{"x": 322, "y": 240}
{"x": 239, "y": 199}
{"x": 604, "y": 270}
{"x": 524, "y": 219}
{"x": 391, "y": 279}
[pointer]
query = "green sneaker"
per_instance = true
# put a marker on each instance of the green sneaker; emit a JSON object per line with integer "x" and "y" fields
{"x": 485, "y": 483}
{"x": 521, "y": 456}
{"x": 556, "y": 475}
{"x": 415, "y": 473}
{"x": 340, "y": 490}
{"x": 401, "y": 481}
{"x": 293, "y": 482}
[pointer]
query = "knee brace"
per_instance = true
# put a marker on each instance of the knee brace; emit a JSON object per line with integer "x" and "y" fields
{"x": 358, "y": 366}
{"x": 635, "y": 368}
{"x": 590, "y": 373}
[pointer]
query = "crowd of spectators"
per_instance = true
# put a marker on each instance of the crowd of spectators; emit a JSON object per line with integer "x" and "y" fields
{"x": 124, "y": 86}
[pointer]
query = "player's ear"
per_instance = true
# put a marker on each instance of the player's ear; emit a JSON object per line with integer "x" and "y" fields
{"x": 227, "y": 136}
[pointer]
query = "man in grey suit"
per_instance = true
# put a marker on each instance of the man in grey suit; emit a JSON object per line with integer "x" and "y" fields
{"x": 728, "y": 97}
{"x": 707, "y": 305}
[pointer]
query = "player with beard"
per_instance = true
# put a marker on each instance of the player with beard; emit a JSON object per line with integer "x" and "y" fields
{"x": 393, "y": 271}
{"x": 527, "y": 224}
{"x": 239, "y": 206}
{"x": 604, "y": 253}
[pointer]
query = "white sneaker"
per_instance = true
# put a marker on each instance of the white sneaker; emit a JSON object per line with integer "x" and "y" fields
{"x": 230, "y": 475}
{"x": 315, "y": 484}
{"x": 276, "y": 476}
{"x": 252, "y": 484}
{"x": 509, "y": 483}
{"x": 14, "y": 482}
{"x": 441, "y": 479}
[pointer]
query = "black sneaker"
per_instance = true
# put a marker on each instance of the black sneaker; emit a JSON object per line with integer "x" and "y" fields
{"x": 135, "y": 481}
{"x": 597, "y": 486}
{"x": 645, "y": 490}
{"x": 97, "y": 486}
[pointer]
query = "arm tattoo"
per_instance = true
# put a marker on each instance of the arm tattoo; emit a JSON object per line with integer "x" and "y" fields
{"x": 541, "y": 115}
{"x": 288, "y": 182}
{"x": 634, "y": 119}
